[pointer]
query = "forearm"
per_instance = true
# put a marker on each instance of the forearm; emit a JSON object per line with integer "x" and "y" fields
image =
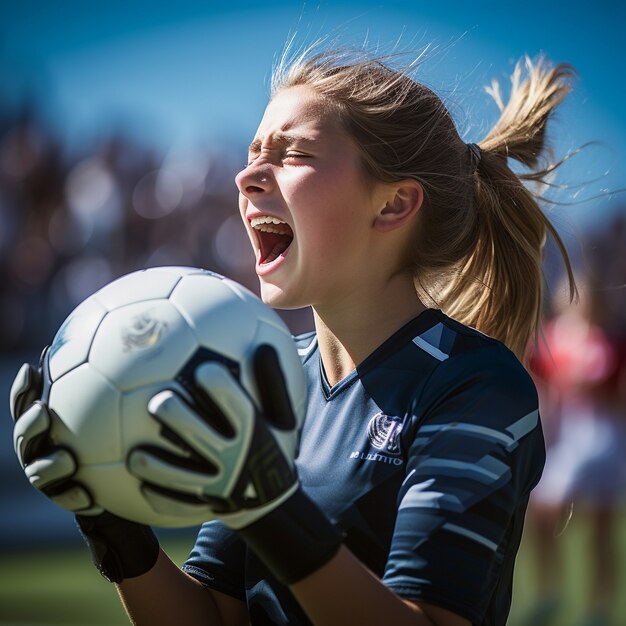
{"x": 166, "y": 596}
{"x": 344, "y": 591}
{"x": 303, "y": 549}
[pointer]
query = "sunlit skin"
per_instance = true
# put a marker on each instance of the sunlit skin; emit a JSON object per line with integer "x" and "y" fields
{"x": 349, "y": 232}
{"x": 305, "y": 170}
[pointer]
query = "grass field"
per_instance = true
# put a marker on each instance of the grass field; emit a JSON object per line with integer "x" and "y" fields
{"x": 60, "y": 586}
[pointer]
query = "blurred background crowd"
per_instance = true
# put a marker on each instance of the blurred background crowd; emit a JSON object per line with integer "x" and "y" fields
{"x": 70, "y": 223}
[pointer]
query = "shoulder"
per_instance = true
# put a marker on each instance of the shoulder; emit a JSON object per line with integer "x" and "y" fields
{"x": 476, "y": 372}
{"x": 473, "y": 354}
{"x": 479, "y": 409}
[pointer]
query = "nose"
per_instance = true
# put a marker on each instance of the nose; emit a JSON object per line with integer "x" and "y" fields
{"x": 253, "y": 180}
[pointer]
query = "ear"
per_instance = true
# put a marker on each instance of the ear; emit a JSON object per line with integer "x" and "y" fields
{"x": 406, "y": 200}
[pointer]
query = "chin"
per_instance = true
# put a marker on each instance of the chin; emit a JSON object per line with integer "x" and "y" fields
{"x": 276, "y": 297}
{"x": 270, "y": 294}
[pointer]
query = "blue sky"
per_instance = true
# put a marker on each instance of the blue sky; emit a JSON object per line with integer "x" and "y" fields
{"x": 196, "y": 73}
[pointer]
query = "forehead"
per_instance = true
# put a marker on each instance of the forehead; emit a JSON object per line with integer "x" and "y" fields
{"x": 298, "y": 108}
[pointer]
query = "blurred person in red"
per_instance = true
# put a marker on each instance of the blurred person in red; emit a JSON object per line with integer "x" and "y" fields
{"x": 577, "y": 367}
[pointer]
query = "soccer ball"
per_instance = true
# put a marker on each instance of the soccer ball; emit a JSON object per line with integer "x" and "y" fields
{"x": 142, "y": 333}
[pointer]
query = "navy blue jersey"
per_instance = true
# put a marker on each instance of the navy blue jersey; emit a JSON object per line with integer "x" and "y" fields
{"x": 424, "y": 456}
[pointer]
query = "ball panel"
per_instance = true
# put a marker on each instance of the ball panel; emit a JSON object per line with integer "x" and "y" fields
{"x": 114, "y": 489}
{"x": 71, "y": 344}
{"x": 86, "y": 415}
{"x": 210, "y": 308}
{"x": 257, "y": 307}
{"x": 140, "y": 286}
{"x": 142, "y": 343}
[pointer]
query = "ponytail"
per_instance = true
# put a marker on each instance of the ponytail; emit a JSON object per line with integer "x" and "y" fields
{"x": 499, "y": 287}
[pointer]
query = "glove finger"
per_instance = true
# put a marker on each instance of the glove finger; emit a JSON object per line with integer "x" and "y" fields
{"x": 273, "y": 388}
{"x": 219, "y": 385}
{"x": 77, "y": 500}
{"x": 28, "y": 430}
{"x": 173, "y": 473}
{"x": 25, "y": 389}
{"x": 52, "y": 469}
{"x": 166, "y": 505}
{"x": 186, "y": 423}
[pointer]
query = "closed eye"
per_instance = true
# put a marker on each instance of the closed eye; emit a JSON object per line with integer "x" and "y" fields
{"x": 289, "y": 155}
{"x": 297, "y": 155}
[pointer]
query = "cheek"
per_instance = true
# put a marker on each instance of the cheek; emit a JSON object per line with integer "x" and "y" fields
{"x": 329, "y": 231}
{"x": 330, "y": 206}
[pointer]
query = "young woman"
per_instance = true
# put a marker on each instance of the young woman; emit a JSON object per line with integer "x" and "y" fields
{"x": 422, "y": 439}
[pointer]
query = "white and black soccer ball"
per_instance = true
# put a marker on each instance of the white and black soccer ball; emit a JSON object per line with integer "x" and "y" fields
{"x": 142, "y": 333}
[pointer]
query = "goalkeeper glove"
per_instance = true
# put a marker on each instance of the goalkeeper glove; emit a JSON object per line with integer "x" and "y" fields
{"x": 242, "y": 474}
{"x": 119, "y": 548}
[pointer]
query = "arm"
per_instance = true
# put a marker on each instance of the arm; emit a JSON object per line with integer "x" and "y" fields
{"x": 345, "y": 592}
{"x": 165, "y": 595}
{"x": 153, "y": 590}
{"x": 474, "y": 451}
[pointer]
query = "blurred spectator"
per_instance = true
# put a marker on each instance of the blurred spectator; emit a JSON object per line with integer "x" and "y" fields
{"x": 579, "y": 368}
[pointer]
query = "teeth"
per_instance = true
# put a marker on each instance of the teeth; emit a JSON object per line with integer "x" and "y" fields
{"x": 268, "y": 229}
{"x": 265, "y": 219}
{"x": 265, "y": 223}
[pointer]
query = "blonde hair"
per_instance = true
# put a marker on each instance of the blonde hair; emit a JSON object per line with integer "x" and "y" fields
{"x": 480, "y": 233}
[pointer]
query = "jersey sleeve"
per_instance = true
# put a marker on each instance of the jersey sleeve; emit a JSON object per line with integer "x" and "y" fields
{"x": 475, "y": 450}
{"x": 217, "y": 560}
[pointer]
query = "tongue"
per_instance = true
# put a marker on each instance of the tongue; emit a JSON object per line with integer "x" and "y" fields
{"x": 273, "y": 246}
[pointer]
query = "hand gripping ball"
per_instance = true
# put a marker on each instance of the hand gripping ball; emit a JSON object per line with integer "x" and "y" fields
{"x": 142, "y": 333}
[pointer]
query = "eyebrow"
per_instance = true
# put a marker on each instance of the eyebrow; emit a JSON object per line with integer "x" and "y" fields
{"x": 281, "y": 139}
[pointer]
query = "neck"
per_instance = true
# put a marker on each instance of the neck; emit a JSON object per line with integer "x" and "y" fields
{"x": 349, "y": 331}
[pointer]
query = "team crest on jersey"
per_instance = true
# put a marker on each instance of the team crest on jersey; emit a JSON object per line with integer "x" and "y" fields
{"x": 384, "y": 433}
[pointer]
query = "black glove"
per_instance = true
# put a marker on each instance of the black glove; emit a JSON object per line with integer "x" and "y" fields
{"x": 119, "y": 548}
{"x": 238, "y": 465}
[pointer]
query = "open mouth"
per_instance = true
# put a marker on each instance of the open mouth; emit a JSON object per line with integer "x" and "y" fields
{"x": 274, "y": 237}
